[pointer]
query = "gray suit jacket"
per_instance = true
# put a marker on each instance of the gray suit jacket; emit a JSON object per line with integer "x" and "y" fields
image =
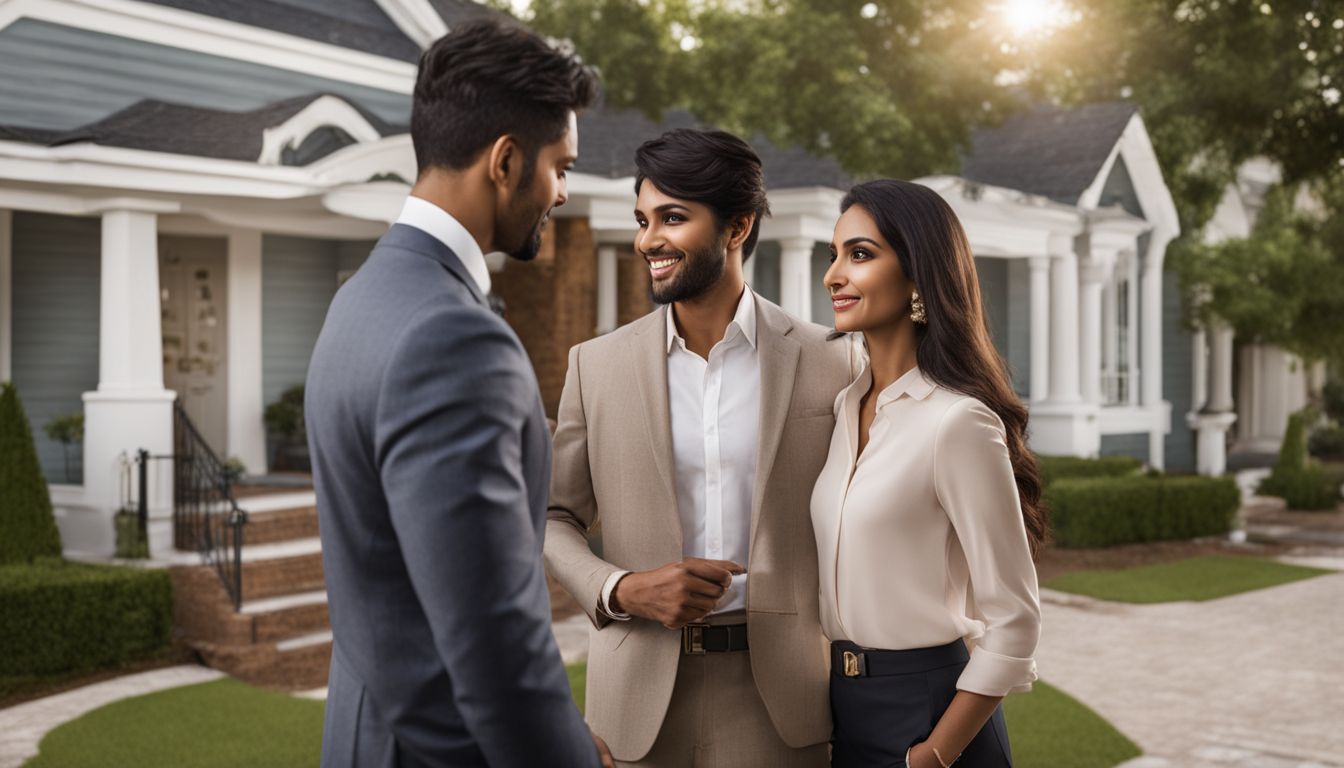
{"x": 431, "y": 457}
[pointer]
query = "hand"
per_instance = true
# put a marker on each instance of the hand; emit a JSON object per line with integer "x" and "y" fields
{"x": 602, "y": 752}
{"x": 921, "y": 756}
{"x": 677, "y": 593}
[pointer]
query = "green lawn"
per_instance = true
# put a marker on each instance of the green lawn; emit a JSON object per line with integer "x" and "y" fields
{"x": 227, "y": 723}
{"x": 1198, "y": 578}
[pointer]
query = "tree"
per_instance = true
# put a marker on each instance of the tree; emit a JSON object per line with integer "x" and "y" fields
{"x": 27, "y": 525}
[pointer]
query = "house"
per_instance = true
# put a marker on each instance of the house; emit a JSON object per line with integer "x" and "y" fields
{"x": 185, "y": 183}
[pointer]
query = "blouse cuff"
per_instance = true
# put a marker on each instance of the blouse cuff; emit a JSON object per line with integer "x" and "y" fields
{"x": 993, "y": 674}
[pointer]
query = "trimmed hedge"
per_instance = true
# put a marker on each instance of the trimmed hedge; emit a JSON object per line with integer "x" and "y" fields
{"x": 1109, "y": 511}
{"x": 1067, "y": 467}
{"x": 1300, "y": 482}
{"x": 27, "y": 525}
{"x": 62, "y": 617}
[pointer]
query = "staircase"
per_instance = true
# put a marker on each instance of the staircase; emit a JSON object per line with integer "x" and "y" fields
{"x": 280, "y": 636}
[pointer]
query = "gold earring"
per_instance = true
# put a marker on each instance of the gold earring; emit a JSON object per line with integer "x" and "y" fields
{"x": 917, "y": 313}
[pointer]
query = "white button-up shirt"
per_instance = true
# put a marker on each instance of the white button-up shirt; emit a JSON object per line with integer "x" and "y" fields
{"x": 715, "y": 414}
{"x": 440, "y": 225}
{"x": 920, "y": 540}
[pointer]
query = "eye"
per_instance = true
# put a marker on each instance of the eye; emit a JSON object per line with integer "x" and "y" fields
{"x": 859, "y": 254}
{"x": 673, "y": 218}
{"x": 831, "y": 260}
{"x": 642, "y": 224}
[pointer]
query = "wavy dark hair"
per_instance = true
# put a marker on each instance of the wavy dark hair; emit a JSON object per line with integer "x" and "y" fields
{"x": 954, "y": 348}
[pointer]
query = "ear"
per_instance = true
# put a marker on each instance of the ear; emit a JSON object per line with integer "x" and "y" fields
{"x": 505, "y": 162}
{"x": 739, "y": 229}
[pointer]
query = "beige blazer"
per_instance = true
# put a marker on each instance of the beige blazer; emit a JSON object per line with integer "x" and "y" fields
{"x": 613, "y": 461}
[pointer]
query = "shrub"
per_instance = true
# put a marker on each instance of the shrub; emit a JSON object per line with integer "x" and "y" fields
{"x": 1109, "y": 511}
{"x": 1333, "y": 395}
{"x": 64, "y": 617}
{"x": 1060, "y": 467}
{"x": 1307, "y": 488}
{"x": 27, "y": 525}
{"x": 1293, "y": 451}
{"x": 284, "y": 417}
{"x": 1327, "y": 443}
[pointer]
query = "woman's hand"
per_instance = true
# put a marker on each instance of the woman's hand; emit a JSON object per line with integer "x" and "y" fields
{"x": 921, "y": 756}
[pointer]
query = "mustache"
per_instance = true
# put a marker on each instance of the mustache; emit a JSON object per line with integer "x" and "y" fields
{"x": 663, "y": 253}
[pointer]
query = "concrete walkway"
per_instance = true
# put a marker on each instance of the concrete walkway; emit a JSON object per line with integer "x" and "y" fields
{"x": 23, "y": 726}
{"x": 1252, "y": 680}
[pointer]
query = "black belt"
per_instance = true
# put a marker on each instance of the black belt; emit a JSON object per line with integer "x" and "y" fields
{"x": 699, "y": 639}
{"x": 850, "y": 660}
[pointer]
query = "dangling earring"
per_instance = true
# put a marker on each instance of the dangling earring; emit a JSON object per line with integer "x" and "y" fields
{"x": 917, "y": 313}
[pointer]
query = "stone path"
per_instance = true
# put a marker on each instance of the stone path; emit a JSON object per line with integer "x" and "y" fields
{"x": 24, "y": 725}
{"x": 1249, "y": 681}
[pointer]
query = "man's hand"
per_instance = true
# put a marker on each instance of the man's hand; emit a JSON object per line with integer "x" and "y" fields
{"x": 676, "y": 594}
{"x": 603, "y": 752}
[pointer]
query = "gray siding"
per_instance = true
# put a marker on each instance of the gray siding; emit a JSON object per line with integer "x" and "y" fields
{"x": 766, "y": 280}
{"x": 1177, "y": 377}
{"x": 56, "y": 272}
{"x": 57, "y": 77}
{"x": 1019, "y": 325}
{"x": 298, "y": 280}
{"x": 1126, "y": 445}
{"x": 822, "y": 313}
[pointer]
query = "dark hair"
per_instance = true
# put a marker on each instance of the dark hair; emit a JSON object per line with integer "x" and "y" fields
{"x": 954, "y": 348}
{"x": 486, "y": 79}
{"x": 713, "y": 168}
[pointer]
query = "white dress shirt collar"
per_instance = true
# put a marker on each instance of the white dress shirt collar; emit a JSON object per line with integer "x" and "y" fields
{"x": 912, "y": 383}
{"x": 743, "y": 322}
{"x": 440, "y": 224}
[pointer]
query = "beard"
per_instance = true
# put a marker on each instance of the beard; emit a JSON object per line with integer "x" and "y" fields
{"x": 700, "y": 270}
{"x": 531, "y": 245}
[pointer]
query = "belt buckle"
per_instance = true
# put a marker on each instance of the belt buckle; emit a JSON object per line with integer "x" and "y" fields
{"x": 693, "y": 639}
{"x": 853, "y": 664}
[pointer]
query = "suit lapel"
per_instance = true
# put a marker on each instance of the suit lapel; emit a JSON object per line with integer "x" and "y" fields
{"x": 779, "y": 364}
{"x": 412, "y": 239}
{"x": 651, "y": 378}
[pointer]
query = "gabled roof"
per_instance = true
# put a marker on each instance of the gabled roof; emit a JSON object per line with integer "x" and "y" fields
{"x": 1049, "y": 151}
{"x": 608, "y": 139}
{"x": 159, "y": 126}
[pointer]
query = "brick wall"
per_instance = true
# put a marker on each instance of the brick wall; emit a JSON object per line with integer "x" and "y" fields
{"x": 632, "y": 286}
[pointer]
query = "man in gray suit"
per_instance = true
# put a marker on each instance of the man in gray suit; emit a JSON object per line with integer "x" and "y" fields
{"x": 431, "y": 453}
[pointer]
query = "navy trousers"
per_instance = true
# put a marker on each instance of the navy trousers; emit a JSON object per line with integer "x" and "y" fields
{"x": 895, "y": 703}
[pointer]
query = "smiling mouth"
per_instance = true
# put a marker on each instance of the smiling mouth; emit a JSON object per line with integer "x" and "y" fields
{"x": 662, "y": 266}
{"x": 841, "y": 303}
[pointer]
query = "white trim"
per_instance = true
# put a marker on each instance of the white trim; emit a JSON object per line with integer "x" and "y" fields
{"x": 278, "y": 502}
{"x": 246, "y": 428}
{"x": 6, "y": 295}
{"x": 284, "y": 602}
{"x": 417, "y": 19}
{"x": 304, "y": 641}
{"x": 322, "y": 111}
{"x": 162, "y": 25}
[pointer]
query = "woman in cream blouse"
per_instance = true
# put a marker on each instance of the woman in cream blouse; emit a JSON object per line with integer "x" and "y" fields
{"x": 927, "y": 513}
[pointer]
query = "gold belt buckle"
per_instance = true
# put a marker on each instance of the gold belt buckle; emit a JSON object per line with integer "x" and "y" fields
{"x": 693, "y": 639}
{"x": 852, "y": 668}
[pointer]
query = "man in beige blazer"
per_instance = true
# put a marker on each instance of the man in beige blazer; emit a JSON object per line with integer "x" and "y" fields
{"x": 695, "y": 435}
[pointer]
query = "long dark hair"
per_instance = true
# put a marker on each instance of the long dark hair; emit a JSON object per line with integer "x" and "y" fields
{"x": 954, "y": 348}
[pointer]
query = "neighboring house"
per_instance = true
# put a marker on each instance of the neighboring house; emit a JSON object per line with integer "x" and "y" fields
{"x": 184, "y": 184}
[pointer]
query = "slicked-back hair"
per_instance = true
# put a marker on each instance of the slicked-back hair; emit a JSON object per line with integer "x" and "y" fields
{"x": 713, "y": 168}
{"x": 487, "y": 79}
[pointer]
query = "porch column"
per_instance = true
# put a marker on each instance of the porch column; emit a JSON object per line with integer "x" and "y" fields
{"x": 795, "y": 277}
{"x": 246, "y": 429}
{"x": 1132, "y": 370}
{"x": 1212, "y": 422}
{"x": 1064, "y": 329}
{"x": 6, "y": 295}
{"x": 1220, "y": 370}
{"x": 1199, "y": 370}
{"x": 1110, "y": 338}
{"x": 130, "y": 410}
{"x": 1151, "y": 349}
{"x": 606, "y": 288}
{"x": 1093, "y": 273}
{"x": 1040, "y": 327}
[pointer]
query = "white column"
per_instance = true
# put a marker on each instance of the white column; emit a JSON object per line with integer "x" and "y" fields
{"x": 1110, "y": 335}
{"x": 795, "y": 277}
{"x": 1132, "y": 332}
{"x": 1199, "y": 372}
{"x": 130, "y": 410}
{"x": 606, "y": 288}
{"x": 1220, "y": 373}
{"x": 1064, "y": 329}
{"x": 1151, "y": 351}
{"x": 1090, "y": 347}
{"x": 6, "y": 295}
{"x": 1040, "y": 327}
{"x": 246, "y": 429}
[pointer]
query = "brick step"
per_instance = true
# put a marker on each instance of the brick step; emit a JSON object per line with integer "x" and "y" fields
{"x": 289, "y": 616}
{"x": 299, "y": 667}
{"x": 279, "y": 525}
{"x": 281, "y": 575}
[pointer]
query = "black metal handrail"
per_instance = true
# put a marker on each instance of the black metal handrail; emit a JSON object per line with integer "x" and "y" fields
{"x": 206, "y": 517}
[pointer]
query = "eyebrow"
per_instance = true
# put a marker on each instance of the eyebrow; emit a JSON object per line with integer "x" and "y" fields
{"x": 853, "y": 241}
{"x": 664, "y": 208}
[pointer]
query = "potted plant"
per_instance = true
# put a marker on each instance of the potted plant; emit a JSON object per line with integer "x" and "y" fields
{"x": 68, "y": 430}
{"x": 284, "y": 424}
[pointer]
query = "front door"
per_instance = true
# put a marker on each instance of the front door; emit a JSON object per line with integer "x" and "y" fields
{"x": 195, "y": 336}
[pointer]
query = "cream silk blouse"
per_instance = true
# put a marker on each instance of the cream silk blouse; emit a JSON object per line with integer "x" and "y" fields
{"x": 921, "y": 541}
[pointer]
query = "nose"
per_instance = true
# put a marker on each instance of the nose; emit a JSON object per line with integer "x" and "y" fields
{"x": 647, "y": 240}
{"x": 834, "y": 279}
{"x": 562, "y": 194}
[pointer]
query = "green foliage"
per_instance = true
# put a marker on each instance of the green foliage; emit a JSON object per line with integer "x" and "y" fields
{"x": 67, "y": 428}
{"x": 132, "y": 542}
{"x": 1327, "y": 443}
{"x": 27, "y": 525}
{"x": 1197, "y": 578}
{"x": 68, "y": 617}
{"x": 1060, "y": 467}
{"x": 1108, "y": 511}
{"x": 1299, "y": 481}
{"x": 284, "y": 417}
{"x": 1333, "y": 396}
{"x": 1293, "y": 450}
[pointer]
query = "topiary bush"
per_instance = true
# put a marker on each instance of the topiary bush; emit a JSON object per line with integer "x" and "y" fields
{"x": 1327, "y": 443}
{"x": 1061, "y": 467}
{"x": 27, "y": 525}
{"x": 1296, "y": 479}
{"x": 1333, "y": 395}
{"x": 64, "y": 617}
{"x": 1109, "y": 511}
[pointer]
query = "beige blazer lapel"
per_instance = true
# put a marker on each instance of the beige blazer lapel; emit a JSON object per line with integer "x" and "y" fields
{"x": 779, "y": 365}
{"x": 651, "y": 379}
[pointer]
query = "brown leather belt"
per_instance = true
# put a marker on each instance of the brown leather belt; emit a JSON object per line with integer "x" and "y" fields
{"x": 699, "y": 639}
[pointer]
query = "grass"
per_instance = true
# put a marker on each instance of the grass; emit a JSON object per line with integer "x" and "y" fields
{"x": 229, "y": 723}
{"x": 1196, "y": 578}
{"x": 1047, "y": 727}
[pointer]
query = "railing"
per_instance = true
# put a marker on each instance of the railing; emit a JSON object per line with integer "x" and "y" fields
{"x": 206, "y": 517}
